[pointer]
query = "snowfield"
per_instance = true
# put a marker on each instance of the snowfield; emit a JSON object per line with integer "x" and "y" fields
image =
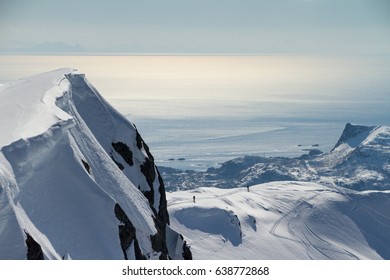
{"x": 77, "y": 181}
{"x": 283, "y": 220}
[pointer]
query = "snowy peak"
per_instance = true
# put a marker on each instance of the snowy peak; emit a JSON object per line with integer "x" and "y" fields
{"x": 77, "y": 181}
{"x": 354, "y": 135}
{"x": 360, "y": 161}
{"x": 28, "y": 106}
{"x": 360, "y": 145}
{"x": 121, "y": 140}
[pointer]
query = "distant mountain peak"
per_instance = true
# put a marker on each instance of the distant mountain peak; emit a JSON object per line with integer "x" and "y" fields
{"x": 353, "y": 135}
{"x": 360, "y": 161}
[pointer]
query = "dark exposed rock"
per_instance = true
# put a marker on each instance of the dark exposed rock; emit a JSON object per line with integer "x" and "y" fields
{"x": 34, "y": 250}
{"x": 150, "y": 196}
{"x": 86, "y": 166}
{"x": 162, "y": 211}
{"x": 187, "y": 255}
{"x": 161, "y": 218}
{"x": 159, "y": 244}
{"x": 239, "y": 225}
{"x": 147, "y": 168}
{"x": 351, "y": 131}
{"x": 139, "y": 140}
{"x": 124, "y": 151}
{"x": 137, "y": 251}
{"x": 143, "y": 144}
{"x": 127, "y": 233}
{"x": 315, "y": 152}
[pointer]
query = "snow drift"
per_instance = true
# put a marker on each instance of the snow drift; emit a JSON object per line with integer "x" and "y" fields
{"x": 283, "y": 220}
{"x": 77, "y": 181}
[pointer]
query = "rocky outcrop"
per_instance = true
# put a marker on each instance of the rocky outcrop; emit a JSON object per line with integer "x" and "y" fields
{"x": 187, "y": 255}
{"x": 86, "y": 166}
{"x": 34, "y": 250}
{"x": 353, "y": 134}
{"x": 75, "y": 133}
{"x": 124, "y": 151}
{"x": 159, "y": 244}
{"x": 127, "y": 234}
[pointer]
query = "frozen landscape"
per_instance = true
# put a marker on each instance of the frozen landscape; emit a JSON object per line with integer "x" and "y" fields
{"x": 77, "y": 181}
{"x": 248, "y": 130}
{"x": 332, "y": 205}
{"x": 360, "y": 160}
{"x": 283, "y": 220}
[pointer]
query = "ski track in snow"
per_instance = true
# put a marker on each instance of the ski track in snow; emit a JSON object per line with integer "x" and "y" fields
{"x": 287, "y": 217}
{"x": 60, "y": 123}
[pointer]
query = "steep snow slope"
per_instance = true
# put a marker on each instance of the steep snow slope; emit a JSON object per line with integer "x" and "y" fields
{"x": 360, "y": 160}
{"x": 283, "y": 220}
{"x": 76, "y": 179}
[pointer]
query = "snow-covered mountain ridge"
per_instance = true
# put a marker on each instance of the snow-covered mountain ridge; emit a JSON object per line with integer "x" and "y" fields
{"x": 77, "y": 181}
{"x": 360, "y": 160}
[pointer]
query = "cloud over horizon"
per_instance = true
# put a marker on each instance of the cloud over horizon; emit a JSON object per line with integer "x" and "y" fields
{"x": 217, "y": 26}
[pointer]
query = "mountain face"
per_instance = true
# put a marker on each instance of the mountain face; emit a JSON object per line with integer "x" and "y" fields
{"x": 360, "y": 160}
{"x": 77, "y": 181}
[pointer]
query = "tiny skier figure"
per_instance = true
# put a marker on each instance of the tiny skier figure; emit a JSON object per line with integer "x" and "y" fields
{"x": 193, "y": 198}
{"x": 247, "y": 188}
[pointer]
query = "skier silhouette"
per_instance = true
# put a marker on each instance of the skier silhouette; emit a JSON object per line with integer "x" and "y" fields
{"x": 193, "y": 198}
{"x": 247, "y": 188}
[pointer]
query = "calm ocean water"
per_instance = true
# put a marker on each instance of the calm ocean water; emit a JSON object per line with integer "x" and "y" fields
{"x": 208, "y": 109}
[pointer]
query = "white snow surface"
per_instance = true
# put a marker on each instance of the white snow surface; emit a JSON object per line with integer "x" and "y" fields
{"x": 33, "y": 112}
{"x": 46, "y": 191}
{"x": 283, "y": 220}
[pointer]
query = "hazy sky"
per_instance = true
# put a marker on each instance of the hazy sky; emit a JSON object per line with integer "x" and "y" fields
{"x": 197, "y": 26}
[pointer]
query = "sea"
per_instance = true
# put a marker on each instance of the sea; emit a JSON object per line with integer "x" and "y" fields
{"x": 197, "y": 111}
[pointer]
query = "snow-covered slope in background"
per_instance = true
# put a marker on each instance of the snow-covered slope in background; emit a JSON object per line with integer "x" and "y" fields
{"x": 77, "y": 180}
{"x": 360, "y": 160}
{"x": 283, "y": 220}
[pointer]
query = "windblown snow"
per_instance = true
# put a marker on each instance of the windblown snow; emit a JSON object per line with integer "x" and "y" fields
{"x": 283, "y": 220}
{"x": 77, "y": 181}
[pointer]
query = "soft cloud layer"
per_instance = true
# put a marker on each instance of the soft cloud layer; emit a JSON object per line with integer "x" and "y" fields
{"x": 248, "y": 26}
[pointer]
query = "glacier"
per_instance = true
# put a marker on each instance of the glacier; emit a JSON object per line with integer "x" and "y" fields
{"x": 77, "y": 181}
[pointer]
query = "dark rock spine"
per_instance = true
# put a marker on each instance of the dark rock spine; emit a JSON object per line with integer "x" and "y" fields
{"x": 127, "y": 234}
{"x": 124, "y": 151}
{"x": 34, "y": 250}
